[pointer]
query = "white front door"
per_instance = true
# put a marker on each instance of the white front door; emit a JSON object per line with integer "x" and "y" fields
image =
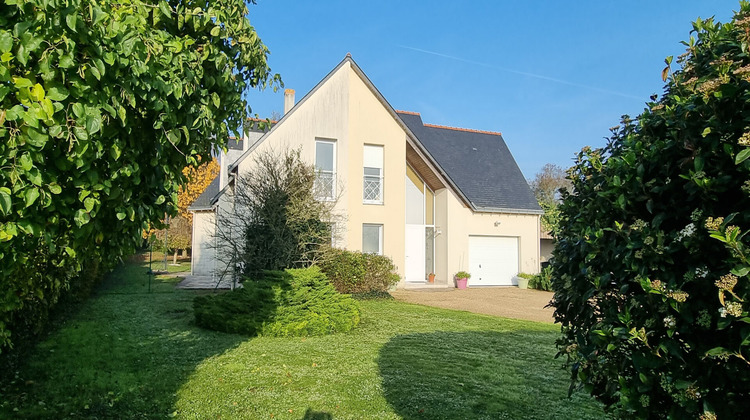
{"x": 493, "y": 260}
{"x": 415, "y": 253}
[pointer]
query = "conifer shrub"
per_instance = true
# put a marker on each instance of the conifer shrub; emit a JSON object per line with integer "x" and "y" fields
{"x": 293, "y": 302}
{"x": 651, "y": 267}
{"x": 358, "y": 273}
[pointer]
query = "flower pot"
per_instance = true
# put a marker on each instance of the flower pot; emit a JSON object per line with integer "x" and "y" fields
{"x": 523, "y": 283}
{"x": 431, "y": 278}
{"x": 462, "y": 283}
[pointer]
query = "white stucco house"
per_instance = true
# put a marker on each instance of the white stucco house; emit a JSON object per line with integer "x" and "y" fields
{"x": 433, "y": 198}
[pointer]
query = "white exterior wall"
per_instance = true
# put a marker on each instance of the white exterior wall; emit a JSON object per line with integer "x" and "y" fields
{"x": 456, "y": 222}
{"x": 324, "y": 115}
{"x": 203, "y": 258}
{"x": 345, "y": 110}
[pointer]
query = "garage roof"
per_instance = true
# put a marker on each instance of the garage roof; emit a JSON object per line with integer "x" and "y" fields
{"x": 478, "y": 162}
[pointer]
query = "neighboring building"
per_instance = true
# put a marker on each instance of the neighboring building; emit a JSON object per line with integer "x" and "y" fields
{"x": 547, "y": 246}
{"x": 433, "y": 198}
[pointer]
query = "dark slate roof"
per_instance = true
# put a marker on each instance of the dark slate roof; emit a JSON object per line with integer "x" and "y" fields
{"x": 206, "y": 200}
{"x": 234, "y": 143}
{"x": 478, "y": 163}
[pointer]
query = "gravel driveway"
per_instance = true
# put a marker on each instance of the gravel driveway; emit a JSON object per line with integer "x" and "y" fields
{"x": 508, "y": 302}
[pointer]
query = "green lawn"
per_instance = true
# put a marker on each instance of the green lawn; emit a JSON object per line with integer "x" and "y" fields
{"x": 133, "y": 354}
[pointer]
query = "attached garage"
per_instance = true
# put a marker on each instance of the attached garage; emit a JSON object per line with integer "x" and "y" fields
{"x": 493, "y": 260}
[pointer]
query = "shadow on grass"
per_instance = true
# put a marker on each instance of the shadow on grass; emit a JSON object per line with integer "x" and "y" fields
{"x": 316, "y": 415}
{"x": 124, "y": 354}
{"x": 478, "y": 375}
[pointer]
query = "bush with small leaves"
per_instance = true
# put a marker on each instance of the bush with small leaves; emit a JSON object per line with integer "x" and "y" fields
{"x": 359, "y": 273}
{"x": 651, "y": 264}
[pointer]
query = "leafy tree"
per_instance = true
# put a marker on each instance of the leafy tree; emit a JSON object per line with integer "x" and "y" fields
{"x": 547, "y": 185}
{"x": 198, "y": 179}
{"x": 651, "y": 265}
{"x": 275, "y": 221}
{"x": 102, "y": 106}
{"x": 178, "y": 233}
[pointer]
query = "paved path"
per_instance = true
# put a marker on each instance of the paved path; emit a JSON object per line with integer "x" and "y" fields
{"x": 509, "y": 302}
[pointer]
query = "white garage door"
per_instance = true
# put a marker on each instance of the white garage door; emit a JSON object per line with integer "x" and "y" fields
{"x": 493, "y": 260}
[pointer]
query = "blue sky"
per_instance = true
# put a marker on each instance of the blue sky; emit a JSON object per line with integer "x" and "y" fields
{"x": 551, "y": 76}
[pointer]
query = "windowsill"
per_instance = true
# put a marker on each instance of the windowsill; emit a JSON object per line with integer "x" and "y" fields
{"x": 374, "y": 203}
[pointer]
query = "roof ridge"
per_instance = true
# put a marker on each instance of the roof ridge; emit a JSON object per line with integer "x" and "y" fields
{"x": 406, "y": 112}
{"x": 470, "y": 130}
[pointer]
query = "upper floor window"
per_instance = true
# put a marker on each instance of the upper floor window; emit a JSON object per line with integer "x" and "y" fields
{"x": 325, "y": 168}
{"x": 372, "y": 192}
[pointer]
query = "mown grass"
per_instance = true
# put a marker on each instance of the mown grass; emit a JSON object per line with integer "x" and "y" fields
{"x": 133, "y": 354}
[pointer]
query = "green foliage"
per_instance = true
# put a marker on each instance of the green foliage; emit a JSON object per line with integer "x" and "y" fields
{"x": 159, "y": 364}
{"x": 101, "y": 107}
{"x": 542, "y": 281}
{"x": 551, "y": 217}
{"x": 526, "y": 275}
{"x": 650, "y": 269}
{"x": 282, "y": 223}
{"x": 463, "y": 275}
{"x": 547, "y": 186}
{"x": 359, "y": 273}
{"x": 294, "y": 302}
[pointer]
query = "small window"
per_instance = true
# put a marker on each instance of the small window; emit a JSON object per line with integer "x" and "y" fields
{"x": 372, "y": 239}
{"x": 372, "y": 191}
{"x": 325, "y": 168}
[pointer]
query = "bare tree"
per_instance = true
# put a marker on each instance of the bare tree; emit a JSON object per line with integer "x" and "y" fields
{"x": 271, "y": 219}
{"x": 547, "y": 184}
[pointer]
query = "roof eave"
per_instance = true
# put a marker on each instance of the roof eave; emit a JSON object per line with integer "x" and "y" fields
{"x": 507, "y": 210}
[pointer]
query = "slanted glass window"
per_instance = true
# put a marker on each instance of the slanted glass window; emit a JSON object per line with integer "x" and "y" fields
{"x": 373, "y": 175}
{"x": 372, "y": 239}
{"x": 325, "y": 168}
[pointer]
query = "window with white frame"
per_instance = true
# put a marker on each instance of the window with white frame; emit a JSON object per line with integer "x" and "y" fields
{"x": 325, "y": 168}
{"x": 372, "y": 191}
{"x": 372, "y": 239}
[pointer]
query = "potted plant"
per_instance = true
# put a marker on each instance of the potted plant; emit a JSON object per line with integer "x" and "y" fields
{"x": 431, "y": 277}
{"x": 522, "y": 280}
{"x": 462, "y": 279}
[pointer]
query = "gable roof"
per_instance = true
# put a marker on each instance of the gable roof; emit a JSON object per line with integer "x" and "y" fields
{"x": 483, "y": 200}
{"x": 206, "y": 200}
{"x": 479, "y": 163}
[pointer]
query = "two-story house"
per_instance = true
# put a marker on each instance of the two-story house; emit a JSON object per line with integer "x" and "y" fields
{"x": 435, "y": 199}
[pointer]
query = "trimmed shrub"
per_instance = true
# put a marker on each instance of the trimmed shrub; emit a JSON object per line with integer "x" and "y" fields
{"x": 294, "y": 302}
{"x": 651, "y": 262}
{"x": 358, "y": 273}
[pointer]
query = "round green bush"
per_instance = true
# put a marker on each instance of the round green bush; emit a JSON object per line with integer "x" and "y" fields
{"x": 294, "y": 302}
{"x": 359, "y": 273}
{"x": 651, "y": 265}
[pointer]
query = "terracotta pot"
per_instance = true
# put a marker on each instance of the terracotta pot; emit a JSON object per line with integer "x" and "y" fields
{"x": 462, "y": 283}
{"x": 431, "y": 278}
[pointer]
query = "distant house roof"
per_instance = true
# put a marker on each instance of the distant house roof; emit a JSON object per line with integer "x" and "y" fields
{"x": 479, "y": 164}
{"x": 206, "y": 200}
{"x": 234, "y": 143}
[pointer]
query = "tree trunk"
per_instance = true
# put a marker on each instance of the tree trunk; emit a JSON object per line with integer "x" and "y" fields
{"x": 174, "y": 257}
